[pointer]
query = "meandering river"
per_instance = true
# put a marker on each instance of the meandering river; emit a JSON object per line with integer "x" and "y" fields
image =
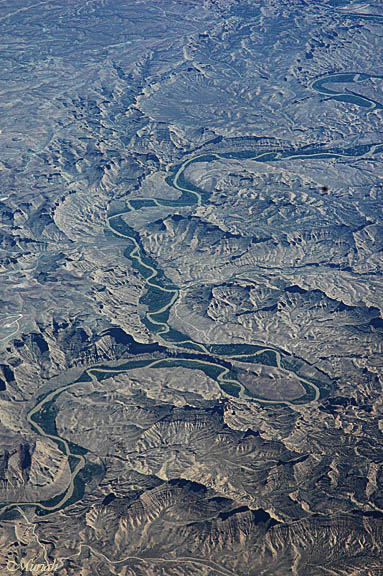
{"x": 218, "y": 361}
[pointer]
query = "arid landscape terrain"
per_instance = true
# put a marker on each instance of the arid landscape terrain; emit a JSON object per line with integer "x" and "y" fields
{"x": 191, "y": 286}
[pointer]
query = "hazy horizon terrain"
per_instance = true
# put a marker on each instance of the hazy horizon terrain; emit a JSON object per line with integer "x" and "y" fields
{"x": 191, "y": 323}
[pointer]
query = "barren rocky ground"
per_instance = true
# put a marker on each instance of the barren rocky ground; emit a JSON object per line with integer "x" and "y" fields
{"x": 191, "y": 287}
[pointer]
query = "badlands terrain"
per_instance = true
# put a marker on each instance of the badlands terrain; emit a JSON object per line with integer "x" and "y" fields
{"x": 191, "y": 322}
